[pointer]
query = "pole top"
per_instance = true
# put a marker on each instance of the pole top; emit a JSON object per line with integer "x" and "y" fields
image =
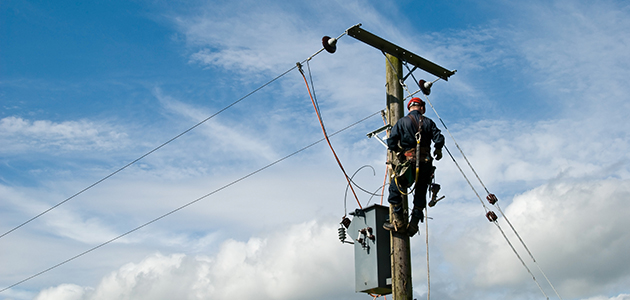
{"x": 369, "y": 38}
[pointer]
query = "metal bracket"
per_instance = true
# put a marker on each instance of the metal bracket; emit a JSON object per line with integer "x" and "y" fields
{"x": 377, "y": 131}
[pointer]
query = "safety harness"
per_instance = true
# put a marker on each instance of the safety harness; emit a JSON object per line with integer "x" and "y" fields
{"x": 411, "y": 156}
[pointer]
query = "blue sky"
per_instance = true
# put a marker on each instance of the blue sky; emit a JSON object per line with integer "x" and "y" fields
{"x": 538, "y": 104}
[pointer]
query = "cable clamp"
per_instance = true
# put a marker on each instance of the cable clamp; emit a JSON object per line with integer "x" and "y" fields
{"x": 402, "y": 83}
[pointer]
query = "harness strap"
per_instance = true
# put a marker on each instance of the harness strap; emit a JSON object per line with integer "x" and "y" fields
{"x": 411, "y": 153}
{"x": 418, "y": 124}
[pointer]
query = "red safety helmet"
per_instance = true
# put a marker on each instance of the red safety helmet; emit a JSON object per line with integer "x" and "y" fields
{"x": 415, "y": 100}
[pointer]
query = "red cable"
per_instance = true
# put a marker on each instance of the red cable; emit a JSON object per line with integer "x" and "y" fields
{"x": 326, "y": 136}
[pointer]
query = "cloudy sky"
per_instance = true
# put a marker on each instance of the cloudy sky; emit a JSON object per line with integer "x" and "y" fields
{"x": 539, "y": 105}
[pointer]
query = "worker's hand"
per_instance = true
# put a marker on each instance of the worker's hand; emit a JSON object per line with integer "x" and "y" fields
{"x": 437, "y": 153}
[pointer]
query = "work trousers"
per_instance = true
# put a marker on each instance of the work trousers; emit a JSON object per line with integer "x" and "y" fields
{"x": 420, "y": 193}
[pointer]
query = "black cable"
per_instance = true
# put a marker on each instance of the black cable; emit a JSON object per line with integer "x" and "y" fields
{"x": 357, "y": 185}
{"x": 380, "y": 188}
{"x": 164, "y": 144}
{"x": 345, "y": 194}
{"x": 186, "y": 205}
{"x": 148, "y": 153}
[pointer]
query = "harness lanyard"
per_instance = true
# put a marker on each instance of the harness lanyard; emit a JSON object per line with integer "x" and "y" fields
{"x": 418, "y": 138}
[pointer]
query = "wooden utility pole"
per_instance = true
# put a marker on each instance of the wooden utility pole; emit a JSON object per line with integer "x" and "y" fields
{"x": 402, "y": 288}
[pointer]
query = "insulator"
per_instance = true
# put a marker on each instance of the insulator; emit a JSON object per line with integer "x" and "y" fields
{"x": 342, "y": 234}
{"x": 330, "y": 44}
{"x": 345, "y": 222}
{"x": 369, "y": 229}
{"x": 492, "y": 199}
{"x": 492, "y": 217}
{"x": 372, "y": 237}
{"x": 425, "y": 86}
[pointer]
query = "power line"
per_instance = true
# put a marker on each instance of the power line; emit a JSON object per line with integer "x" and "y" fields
{"x": 148, "y": 153}
{"x": 321, "y": 122}
{"x": 160, "y": 146}
{"x": 185, "y": 205}
{"x": 489, "y": 198}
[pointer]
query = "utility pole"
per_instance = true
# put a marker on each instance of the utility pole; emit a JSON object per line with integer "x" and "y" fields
{"x": 402, "y": 288}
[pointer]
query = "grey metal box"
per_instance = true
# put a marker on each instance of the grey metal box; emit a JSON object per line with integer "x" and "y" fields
{"x": 372, "y": 260}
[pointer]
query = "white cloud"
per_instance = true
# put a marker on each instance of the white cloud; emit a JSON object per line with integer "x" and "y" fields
{"x": 294, "y": 263}
{"x": 580, "y": 60}
{"x": 575, "y": 230}
{"x": 26, "y": 135}
{"x": 578, "y": 36}
{"x": 256, "y": 43}
{"x": 569, "y": 171}
{"x": 63, "y": 291}
{"x": 74, "y": 225}
{"x": 572, "y": 62}
{"x": 273, "y": 39}
{"x": 618, "y": 297}
{"x": 237, "y": 138}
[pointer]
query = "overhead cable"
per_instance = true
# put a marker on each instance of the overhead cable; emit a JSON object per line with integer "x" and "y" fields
{"x": 185, "y": 205}
{"x": 160, "y": 146}
{"x": 148, "y": 153}
{"x": 321, "y": 122}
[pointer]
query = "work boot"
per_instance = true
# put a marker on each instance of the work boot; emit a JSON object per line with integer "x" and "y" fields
{"x": 416, "y": 217}
{"x": 412, "y": 227}
{"x": 396, "y": 225}
{"x": 389, "y": 226}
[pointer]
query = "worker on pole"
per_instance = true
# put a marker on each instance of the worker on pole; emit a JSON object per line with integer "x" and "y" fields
{"x": 410, "y": 140}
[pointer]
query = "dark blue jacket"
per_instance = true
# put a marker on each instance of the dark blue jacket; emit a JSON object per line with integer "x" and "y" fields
{"x": 405, "y": 132}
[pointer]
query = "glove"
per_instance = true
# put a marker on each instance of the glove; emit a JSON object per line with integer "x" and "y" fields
{"x": 437, "y": 153}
